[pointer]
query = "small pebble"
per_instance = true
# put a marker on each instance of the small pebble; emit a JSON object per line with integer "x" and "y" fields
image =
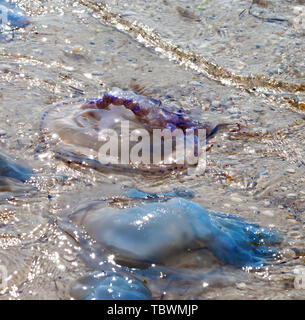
{"x": 290, "y": 170}
{"x": 215, "y": 103}
{"x": 268, "y": 213}
{"x": 195, "y": 84}
{"x": 299, "y": 251}
{"x": 288, "y": 253}
{"x": 267, "y": 203}
{"x": 294, "y": 234}
{"x": 255, "y": 209}
{"x": 236, "y": 199}
{"x": 5, "y": 68}
{"x": 241, "y": 285}
{"x": 292, "y": 221}
{"x": 299, "y": 270}
{"x": 291, "y": 195}
{"x": 233, "y": 110}
{"x": 69, "y": 257}
{"x": 263, "y": 172}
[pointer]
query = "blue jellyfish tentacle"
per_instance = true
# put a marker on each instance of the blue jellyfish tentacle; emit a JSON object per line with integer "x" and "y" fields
{"x": 11, "y": 169}
{"x": 11, "y": 17}
{"x": 109, "y": 285}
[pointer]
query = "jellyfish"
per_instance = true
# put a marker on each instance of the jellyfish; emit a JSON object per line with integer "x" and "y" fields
{"x": 154, "y": 233}
{"x": 127, "y": 132}
{"x": 109, "y": 285}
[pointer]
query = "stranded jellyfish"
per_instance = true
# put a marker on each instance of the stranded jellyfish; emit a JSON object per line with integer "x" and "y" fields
{"x": 125, "y": 131}
{"x": 157, "y": 232}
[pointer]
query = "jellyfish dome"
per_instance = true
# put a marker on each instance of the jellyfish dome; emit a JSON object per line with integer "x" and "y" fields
{"x": 125, "y": 131}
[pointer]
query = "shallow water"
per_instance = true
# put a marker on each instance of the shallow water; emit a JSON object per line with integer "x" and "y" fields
{"x": 212, "y": 58}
